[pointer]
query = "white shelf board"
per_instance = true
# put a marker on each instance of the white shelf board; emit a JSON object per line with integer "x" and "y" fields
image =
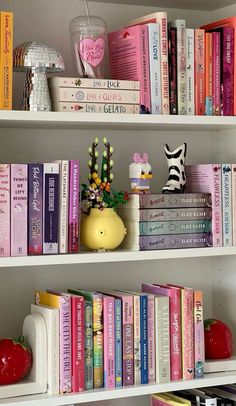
{"x": 114, "y": 256}
{"x": 50, "y": 119}
{"x": 106, "y": 394}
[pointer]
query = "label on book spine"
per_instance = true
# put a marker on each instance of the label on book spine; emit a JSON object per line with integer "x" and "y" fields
{"x": 66, "y": 94}
{"x": 199, "y": 72}
{"x": 35, "y": 210}
{"x": 151, "y": 340}
{"x": 155, "y": 67}
{"x": 190, "y": 102}
{"x": 109, "y": 342}
{"x": 209, "y": 72}
{"x": 216, "y": 73}
{"x": 199, "y": 335}
{"x": 88, "y": 320}
{"x": 144, "y": 339}
{"x": 5, "y": 210}
{"x": 73, "y": 234}
{"x": 63, "y": 204}
{"x": 173, "y": 69}
{"x": 226, "y": 204}
{"x": 77, "y": 333}
{"x": 51, "y": 208}
{"x": 128, "y": 341}
{"x": 181, "y": 64}
{"x": 228, "y": 71}
{"x": 108, "y": 108}
{"x": 118, "y": 340}
{"x": 137, "y": 340}
{"x": 187, "y": 333}
{"x": 6, "y": 51}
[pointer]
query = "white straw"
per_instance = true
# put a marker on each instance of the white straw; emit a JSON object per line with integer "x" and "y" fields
{"x": 87, "y": 11}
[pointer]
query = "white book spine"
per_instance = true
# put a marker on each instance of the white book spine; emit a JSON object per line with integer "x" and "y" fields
{"x": 95, "y": 83}
{"x": 162, "y": 339}
{"x": 108, "y": 108}
{"x": 67, "y": 94}
{"x": 137, "y": 342}
{"x": 181, "y": 64}
{"x": 50, "y": 207}
{"x": 63, "y": 206}
{"x": 155, "y": 67}
{"x": 190, "y": 71}
{"x": 227, "y": 204}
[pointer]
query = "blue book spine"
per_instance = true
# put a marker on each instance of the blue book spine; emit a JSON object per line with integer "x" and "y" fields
{"x": 144, "y": 337}
{"x": 118, "y": 342}
{"x": 155, "y": 67}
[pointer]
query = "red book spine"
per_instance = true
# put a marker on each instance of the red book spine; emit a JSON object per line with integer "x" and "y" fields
{"x": 199, "y": 51}
{"x": 216, "y": 74}
{"x": 77, "y": 330}
{"x": 73, "y": 223}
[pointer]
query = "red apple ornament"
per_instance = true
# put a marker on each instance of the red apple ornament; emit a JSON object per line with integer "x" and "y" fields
{"x": 15, "y": 360}
{"x": 218, "y": 339}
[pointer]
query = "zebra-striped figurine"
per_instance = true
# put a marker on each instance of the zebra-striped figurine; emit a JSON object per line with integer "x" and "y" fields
{"x": 176, "y": 160}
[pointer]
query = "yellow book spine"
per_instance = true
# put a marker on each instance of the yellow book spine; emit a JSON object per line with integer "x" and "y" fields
{"x": 6, "y": 63}
{"x": 47, "y": 299}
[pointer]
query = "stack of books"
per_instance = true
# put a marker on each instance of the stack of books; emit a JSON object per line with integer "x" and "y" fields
{"x": 112, "y": 338}
{"x": 165, "y": 221}
{"x": 95, "y": 95}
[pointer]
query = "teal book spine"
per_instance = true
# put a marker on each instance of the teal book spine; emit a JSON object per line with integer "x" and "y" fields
{"x": 174, "y": 227}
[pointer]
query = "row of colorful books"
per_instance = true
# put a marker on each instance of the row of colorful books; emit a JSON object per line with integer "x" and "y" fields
{"x": 181, "y": 70}
{"x": 120, "y": 338}
{"x": 166, "y": 221}
{"x": 39, "y": 208}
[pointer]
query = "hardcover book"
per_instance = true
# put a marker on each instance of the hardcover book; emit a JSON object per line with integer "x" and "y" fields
{"x": 129, "y": 59}
{"x": 165, "y": 215}
{"x": 216, "y": 76}
{"x": 51, "y": 208}
{"x": 199, "y": 50}
{"x": 90, "y": 83}
{"x": 171, "y": 201}
{"x": 118, "y": 342}
{"x": 155, "y": 67}
{"x": 109, "y": 341}
{"x": 226, "y": 173}
{"x": 63, "y": 206}
{"x": 190, "y": 72}
{"x": 187, "y": 333}
{"x": 5, "y": 241}
{"x": 19, "y": 208}
{"x": 88, "y": 345}
{"x": 180, "y": 26}
{"x": 73, "y": 221}
{"x": 6, "y": 62}
{"x": 209, "y": 72}
{"x": 199, "y": 353}
{"x": 227, "y": 63}
{"x": 168, "y": 227}
{"x": 35, "y": 209}
{"x": 151, "y": 340}
{"x": 172, "y": 45}
{"x": 109, "y": 108}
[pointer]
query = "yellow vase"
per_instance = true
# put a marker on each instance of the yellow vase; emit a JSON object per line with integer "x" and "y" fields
{"x": 102, "y": 229}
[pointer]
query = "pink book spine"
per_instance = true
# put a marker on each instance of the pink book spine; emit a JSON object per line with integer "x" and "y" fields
{"x": 145, "y": 76}
{"x": 162, "y": 20}
{"x": 199, "y": 335}
{"x": 228, "y": 71}
{"x": 175, "y": 326}
{"x": 73, "y": 222}
{"x": 77, "y": 340}
{"x": 5, "y": 210}
{"x": 234, "y": 202}
{"x": 128, "y": 340}
{"x": 19, "y": 197}
{"x": 151, "y": 340}
{"x": 187, "y": 333}
{"x": 216, "y": 73}
{"x": 199, "y": 50}
{"x": 109, "y": 341}
{"x": 217, "y": 206}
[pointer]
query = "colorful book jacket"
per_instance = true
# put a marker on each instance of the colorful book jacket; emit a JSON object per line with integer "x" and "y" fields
{"x": 6, "y": 62}
{"x": 88, "y": 345}
{"x": 168, "y": 227}
{"x": 207, "y": 178}
{"x": 161, "y": 19}
{"x": 35, "y": 209}
{"x": 233, "y": 166}
{"x": 226, "y": 173}
{"x": 227, "y": 63}
{"x": 172, "y": 45}
{"x": 187, "y": 333}
{"x": 137, "y": 340}
{"x": 164, "y": 333}
{"x": 180, "y": 26}
{"x": 51, "y": 208}
{"x": 98, "y": 343}
{"x": 190, "y": 105}
{"x": 19, "y": 203}
{"x": 109, "y": 108}
{"x": 67, "y": 94}
{"x": 144, "y": 337}
{"x": 109, "y": 341}
{"x": 155, "y": 67}
{"x": 129, "y": 59}
{"x": 216, "y": 76}
{"x": 209, "y": 72}
{"x": 61, "y": 302}
{"x": 161, "y": 215}
{"x": 118, "y": 342}
{"x": 199, "y": 353}
{"x": 171, "y": 201}
{"x": 151, "y": 340}
{"x": 58, "y": 81}
{"x": 73, "y": 221}
{"x": 199, "y": 51}
{"x": 5, "y": 245}
{"x": 63, "y": 205}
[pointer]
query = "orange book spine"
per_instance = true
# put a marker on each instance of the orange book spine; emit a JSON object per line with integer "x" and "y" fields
{"x": 208, "y": 74}
{"x": 199, "y": 51}
{"x": 6, "y": 51}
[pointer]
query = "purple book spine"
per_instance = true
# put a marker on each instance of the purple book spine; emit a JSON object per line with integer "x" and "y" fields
{"x": 51, "y": 208}
{"x": 172, "y": 42}
{"x": 35, "y": 209}
{"x": 228, "y": 71}
{"x": 175, "y": 241}
{"x": 73, "y": 234}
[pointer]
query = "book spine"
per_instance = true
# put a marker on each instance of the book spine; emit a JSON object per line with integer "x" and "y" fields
{"x": 162, "y": 20}
{"x": 227, "y": 204}
{"x": 208, "y": 76}
{"x": 128, "y": 341}
{"x": 65, "y": 344}
{"x": 109, "y": 108}
{"x": 94, "y": 83}
{"x": 216, "y": 73}
{"x": 144, "y": 338}
{"x": 88, "y": 320}
{"x": 190, "y": 108}
{"x": 66, "y": 94}
{"x": 137, "y": 341}
{"x": 145, "y": 96}
{"x": 198, "y": 334}
{"x": 172, "y": 227}
{"x": 19, "y": 199}
{"x": 199, "y": 72}
{"x": 109, "y": 342}
{"x": 162, "y": 339}
{"x": 35, "y": 209}
{"x": 217, "y": 206}
{"x": 175, "y": 241}
{"x": 5, "y": 187}
{"x": 228, "y": 71}
{"x": 175, "y": 334}
{"x": 51, "y": 208}
{"x": 153, "y": 215}
{"x": 78, "y": 342}
{"x": 151, "y": 340}
{"x": 155, "y": 67}
{"x": 73, "y": 231}
{"x": 118, "y": 338}
{"x": 172, "y": 61}
{"x": 161, "y": 201}
{"x": 63, "y": 207}
{"x": 233, "y": 181}
{"x": 97, "y": 342}
{"x": 6, "y": 63}
{"x": 181, "y": 65}
{"x": 187, "y": 333}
